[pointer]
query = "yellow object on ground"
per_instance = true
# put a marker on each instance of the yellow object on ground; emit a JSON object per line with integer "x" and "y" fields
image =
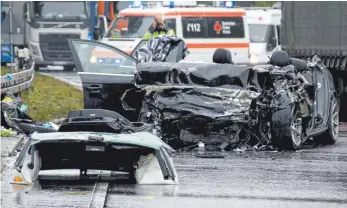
{"x": 5, "y": 70}
{"x": 7, "y": 99}
{"x": 5, "y": 132}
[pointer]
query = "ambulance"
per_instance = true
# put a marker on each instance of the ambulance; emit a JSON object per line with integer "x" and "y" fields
{"x": 264, "y": 33}
{"x": 204, "y": 29}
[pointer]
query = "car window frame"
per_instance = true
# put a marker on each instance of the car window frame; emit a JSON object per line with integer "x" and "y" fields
{"x": 173, "y": 19}
{"x": 78, "y": 64}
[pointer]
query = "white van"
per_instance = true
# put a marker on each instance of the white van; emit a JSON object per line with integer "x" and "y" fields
{"x": 203, "y": 29}
{"x": 264, "y": 33}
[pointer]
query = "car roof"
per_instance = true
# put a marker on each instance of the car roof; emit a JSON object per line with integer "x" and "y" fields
{"x": 143, "y": 139}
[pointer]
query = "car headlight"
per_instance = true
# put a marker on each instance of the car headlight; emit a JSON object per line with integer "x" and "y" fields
{"x": 254, "y": 59}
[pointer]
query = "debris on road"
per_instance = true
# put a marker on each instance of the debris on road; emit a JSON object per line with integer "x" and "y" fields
{"x": 7, "y": 132}
{"x": 14, "y": 114}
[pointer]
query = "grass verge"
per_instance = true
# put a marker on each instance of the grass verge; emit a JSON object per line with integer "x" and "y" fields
{"x": 5, "y": 70}
{"x": 49, "y": 98}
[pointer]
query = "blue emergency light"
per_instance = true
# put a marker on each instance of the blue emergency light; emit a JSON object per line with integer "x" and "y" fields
{"x": 172, "y": 4}
{"x": 135, "y": 4}
{"x": 227, "y": 4}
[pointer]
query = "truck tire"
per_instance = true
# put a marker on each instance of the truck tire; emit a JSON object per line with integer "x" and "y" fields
{"x": 331, "y": 135}
{"x": 69, "y": 68}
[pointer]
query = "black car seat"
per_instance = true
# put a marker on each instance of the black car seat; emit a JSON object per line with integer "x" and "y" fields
{"x": 222, "y": 56}
{"x": 280, "y": 58}
{"x": 299, "y": 64}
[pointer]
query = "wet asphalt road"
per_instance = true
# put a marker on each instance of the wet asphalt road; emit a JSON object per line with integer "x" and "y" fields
{"x": 314, "y": 177}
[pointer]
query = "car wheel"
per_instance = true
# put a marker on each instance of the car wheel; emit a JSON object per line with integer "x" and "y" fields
{"x": 69, "y": 68}
{"x": 331, "y": 135}
{"x": 287, "y": 133}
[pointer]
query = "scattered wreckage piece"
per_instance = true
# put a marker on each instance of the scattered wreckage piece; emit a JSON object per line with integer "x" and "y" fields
{"x": 165, "y": 48}
{"x": 144, "y": 156}
{"x": 100, "y": 120}
{"x": 14, "y": 115}
{"x": 223, "y": 103}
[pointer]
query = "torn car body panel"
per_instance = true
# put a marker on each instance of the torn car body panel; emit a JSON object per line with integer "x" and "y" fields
{"x": 135, "y": 153}
{"x": 195, "y": 101}
{"x": 198, "y": 102}
{"x": 224, "y": 103}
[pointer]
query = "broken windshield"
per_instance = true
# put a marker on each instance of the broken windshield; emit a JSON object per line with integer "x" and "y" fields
{"x": 129, "y": 27}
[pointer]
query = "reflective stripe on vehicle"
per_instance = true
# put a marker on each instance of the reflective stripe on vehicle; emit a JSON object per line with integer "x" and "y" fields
{"x": 217, "y": 45}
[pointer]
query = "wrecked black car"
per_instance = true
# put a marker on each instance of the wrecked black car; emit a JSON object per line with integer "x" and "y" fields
{"x": 226, "y": 106}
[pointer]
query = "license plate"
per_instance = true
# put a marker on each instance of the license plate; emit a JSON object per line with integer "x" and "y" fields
{"x": 59, "y": 62}
{"x": 91, "y": 148}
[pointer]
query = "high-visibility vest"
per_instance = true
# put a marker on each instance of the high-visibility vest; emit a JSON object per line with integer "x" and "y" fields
{"x": 148, "y": 35}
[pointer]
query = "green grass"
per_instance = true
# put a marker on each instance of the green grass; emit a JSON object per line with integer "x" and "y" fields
{"x": 5, "y": 70}
{"x": 49, "y": 98}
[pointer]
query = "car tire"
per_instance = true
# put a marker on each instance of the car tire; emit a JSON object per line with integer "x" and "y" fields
{"x": 287, "y": 133}
{"x": 331, "y": 135}
{"x": 69, "y": 68}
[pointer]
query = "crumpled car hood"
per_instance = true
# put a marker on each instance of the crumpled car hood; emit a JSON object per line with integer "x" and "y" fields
{"x": 202, "y": 101}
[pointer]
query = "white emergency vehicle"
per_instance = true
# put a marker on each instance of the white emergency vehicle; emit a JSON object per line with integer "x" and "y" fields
{"x": 204, "y": 29}
{"x": 264, "y": 33}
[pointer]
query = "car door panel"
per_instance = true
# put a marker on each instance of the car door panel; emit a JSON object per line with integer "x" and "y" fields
{"x": 106, "y": 73}
{"x": 322, "y": 100}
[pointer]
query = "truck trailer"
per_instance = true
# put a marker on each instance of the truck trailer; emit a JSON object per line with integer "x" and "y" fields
{"x": 318, "y": 28}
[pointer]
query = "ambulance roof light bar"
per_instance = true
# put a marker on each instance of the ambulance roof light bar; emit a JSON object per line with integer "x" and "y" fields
{"x": 227, "y": 4}
{"x": 173, "y": 4}
{"x": 135, "y": 4}
{"x": 256, "y": 8}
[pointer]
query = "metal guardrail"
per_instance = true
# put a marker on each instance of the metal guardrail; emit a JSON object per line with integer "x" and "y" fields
{"x": 17, "y": 82}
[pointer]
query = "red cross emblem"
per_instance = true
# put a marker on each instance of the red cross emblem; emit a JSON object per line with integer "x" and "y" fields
{"x": 217, "y": 27}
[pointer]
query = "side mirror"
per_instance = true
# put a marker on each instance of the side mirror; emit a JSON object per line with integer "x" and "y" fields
{"x": 271, "y": 44}
{"x": 101, "y": 27}
{"x": 3, "y": 15}
{"x": 96, "y": 33}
